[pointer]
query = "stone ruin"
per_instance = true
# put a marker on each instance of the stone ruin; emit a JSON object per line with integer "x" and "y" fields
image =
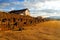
{"x": 16, "y": 21}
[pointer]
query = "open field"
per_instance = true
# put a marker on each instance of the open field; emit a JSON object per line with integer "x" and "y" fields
{"x": 49, "y": 30}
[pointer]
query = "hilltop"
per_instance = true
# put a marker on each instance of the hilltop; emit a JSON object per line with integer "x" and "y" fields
{"x": 17, "y": 22}
{"x": 23, "y": 27}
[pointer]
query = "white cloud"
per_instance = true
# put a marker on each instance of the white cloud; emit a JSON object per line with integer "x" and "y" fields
{"x": 44, "y": 5}
{"x": 50, "y": 5}
{"x": 38, "y": 5}
{"x": 16, "y": 3}
{"x": 12, "y": 9}
{"x": 3, "y": 5}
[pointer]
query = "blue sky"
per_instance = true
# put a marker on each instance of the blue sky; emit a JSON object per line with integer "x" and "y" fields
{"x": 37, "y": 7}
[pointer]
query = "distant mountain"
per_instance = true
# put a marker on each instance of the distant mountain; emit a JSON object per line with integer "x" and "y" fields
{"x": 53, "y": 18}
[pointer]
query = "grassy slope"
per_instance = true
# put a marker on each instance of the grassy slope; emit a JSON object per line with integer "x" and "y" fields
{"x": 42, "y": 31}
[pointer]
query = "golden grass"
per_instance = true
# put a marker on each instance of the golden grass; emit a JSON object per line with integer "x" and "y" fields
{"x": 49, "y": 30}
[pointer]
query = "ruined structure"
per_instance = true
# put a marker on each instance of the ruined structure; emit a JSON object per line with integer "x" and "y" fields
{"x": 21, "y": 12}
{"x": 14, "y": 21}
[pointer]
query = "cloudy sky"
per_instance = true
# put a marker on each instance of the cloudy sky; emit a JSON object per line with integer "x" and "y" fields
{"x": 36, "y": 7}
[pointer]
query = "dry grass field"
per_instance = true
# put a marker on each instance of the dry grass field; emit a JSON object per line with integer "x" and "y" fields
{"x": 49, "y": 30}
